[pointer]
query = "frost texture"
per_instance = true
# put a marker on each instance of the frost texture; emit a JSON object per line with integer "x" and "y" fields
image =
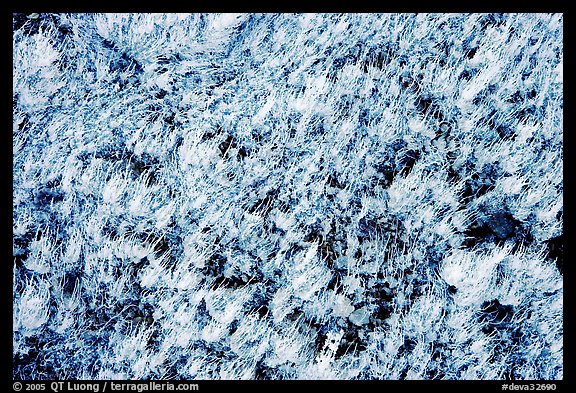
{"x": 288, "y": 196}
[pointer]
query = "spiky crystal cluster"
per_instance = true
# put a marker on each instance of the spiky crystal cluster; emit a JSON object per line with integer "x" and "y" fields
{"x": 281, "y": 196}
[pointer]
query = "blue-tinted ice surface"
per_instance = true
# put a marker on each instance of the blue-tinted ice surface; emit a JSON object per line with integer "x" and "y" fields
{"x": 288, "y": 196}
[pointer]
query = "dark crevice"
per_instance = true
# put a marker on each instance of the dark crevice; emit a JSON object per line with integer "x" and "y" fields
{"x": 409, "y": 83}
{"x": 427, "y": 105}
{"x": 113, "y": 154}
{"x": 327, "y": 252}
{"x": 492, "y": 20}
{"x": 373, "y": 228}
{"x": 332, "y": 181}
{"x": 260, "y": 303}
{"x": 145, "y": 164}
{"x": 320, "y": 339}
{"x": 215, "y": 265}
{"x": 494, "y": 315}
{"x": 496, "y": 226}
{"x": 471, "y": 52}
{"x": 123, "y": 61}
{"x": 350, "y": 341}
{"x": 406, "y": 347}
{"x": 369, "y": 229}
{"x": 383, "y": 297}
{"x": 387, "y": 174}
{"x": 336, "y": 279}
{"x": 556, "y": 251}
{"x": 264, "y": 205}
{"x": 314, "y": 234}
{"x": 71, "y": 282}
{"x": 477, "y": 184}
{"x": 263, "y": 372}
{"x": 30, "y": 23}
{"x": 229, "y": 143}
{"x": 378, "y": 58}
{"x": 407, "y": 161}
{"x": 46, "y": 196}
{"x": 465, "y": 75}
{"x": 24, "y": 124}
{"x": 229, "y": 282}
{"x": 34, "y": 362}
